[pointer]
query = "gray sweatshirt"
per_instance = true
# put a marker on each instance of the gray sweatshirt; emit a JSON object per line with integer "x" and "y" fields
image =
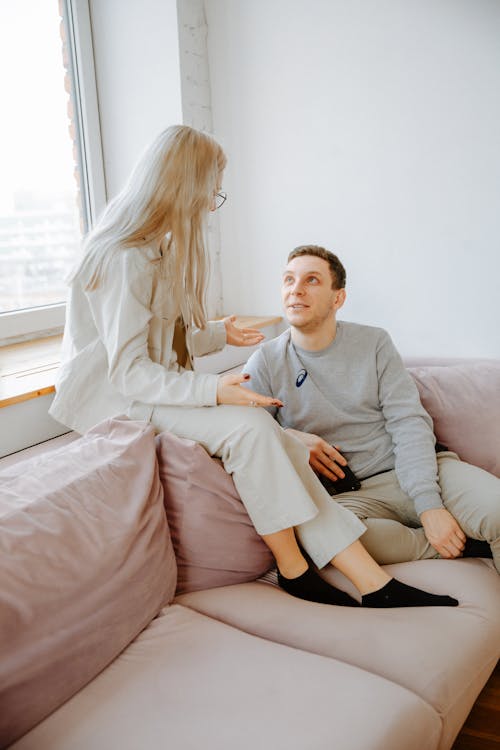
{"x": 357, "y": 394}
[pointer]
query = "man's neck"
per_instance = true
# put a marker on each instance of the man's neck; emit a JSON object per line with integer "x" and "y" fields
{"x": 314, "y": 341}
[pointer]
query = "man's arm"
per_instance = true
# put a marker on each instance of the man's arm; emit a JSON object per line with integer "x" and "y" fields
{"x": 411, "y": 431}
{"x": 260, "y": 378}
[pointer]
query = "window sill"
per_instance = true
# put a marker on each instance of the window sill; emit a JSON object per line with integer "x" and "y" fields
{"x": 28, "y": 369}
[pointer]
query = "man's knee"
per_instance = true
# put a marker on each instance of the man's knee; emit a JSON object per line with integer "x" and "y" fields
{"x": 490, "y": 505}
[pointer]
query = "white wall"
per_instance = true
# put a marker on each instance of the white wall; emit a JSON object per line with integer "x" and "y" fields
{"x": 372, "y": 128}
{"x": 136, "y": 52}
{"x": 197, "y": 113}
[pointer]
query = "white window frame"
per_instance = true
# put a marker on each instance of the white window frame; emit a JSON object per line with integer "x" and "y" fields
{"x": 34, "y": 322}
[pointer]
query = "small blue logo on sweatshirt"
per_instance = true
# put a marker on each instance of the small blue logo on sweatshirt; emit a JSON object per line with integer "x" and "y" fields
{"x": 301, "y": 377}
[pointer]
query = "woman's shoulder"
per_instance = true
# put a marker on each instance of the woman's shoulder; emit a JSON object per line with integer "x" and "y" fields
{"x": 135, "y": 260}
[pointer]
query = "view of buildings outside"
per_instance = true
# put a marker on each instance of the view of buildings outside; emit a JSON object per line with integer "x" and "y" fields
{"x": 38, "y": 247}
{"x": 40, "y": 225}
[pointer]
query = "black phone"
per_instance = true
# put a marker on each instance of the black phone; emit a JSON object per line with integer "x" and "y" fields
{"x": 348, "y": 483}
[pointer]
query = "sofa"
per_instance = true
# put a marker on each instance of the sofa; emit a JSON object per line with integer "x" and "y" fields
{"x": 139, "y": 609}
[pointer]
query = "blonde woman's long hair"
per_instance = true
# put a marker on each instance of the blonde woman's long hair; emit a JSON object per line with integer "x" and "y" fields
{"x": 170, "y": 190}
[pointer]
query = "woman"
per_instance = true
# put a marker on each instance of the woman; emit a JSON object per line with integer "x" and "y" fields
{"x": 136, "y": 316}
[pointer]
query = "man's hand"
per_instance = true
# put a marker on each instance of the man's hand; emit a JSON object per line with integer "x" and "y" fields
{"x": 241, "y": 336}
{"x": 443, "y": 532}
{"x": 323, "y": 457}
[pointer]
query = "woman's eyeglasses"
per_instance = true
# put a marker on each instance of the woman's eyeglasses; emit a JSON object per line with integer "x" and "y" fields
{"x": 219, "y": 199}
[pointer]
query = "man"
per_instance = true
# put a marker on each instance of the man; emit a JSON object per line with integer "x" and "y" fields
{"x": 349, "y": 398}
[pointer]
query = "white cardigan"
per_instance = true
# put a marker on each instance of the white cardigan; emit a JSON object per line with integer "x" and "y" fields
{"x": 118, "y": 347}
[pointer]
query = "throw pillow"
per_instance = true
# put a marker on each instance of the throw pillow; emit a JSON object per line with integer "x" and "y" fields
{"x": 214, "y": 540}
{"x": 86, "y": 562}
{"x": 464, "y": 403}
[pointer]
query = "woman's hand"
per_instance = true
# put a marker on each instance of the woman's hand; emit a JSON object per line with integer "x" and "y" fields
{"x": 241, "y": 336}
{"x": 230, "y": 391}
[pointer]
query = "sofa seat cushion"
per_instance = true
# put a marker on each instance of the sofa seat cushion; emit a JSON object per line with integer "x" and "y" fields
{"x": 464, "y": 403}
{"x": 86, "y": 562}
{"x": 190, "y": 682}
{"x": 444, "y": 655}
{"x": 215, "y": 542}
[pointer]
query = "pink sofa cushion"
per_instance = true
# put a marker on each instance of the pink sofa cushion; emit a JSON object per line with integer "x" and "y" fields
{"x": 86, "y": 562}
{"x": 214, "y": 540}
{"x": 189, "y": 682}
{"x": 464, "y": 403}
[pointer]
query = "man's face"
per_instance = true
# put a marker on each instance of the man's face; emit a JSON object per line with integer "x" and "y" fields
{"x": 307, "y": 295}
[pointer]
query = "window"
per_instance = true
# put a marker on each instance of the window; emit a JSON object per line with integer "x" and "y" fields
{"x": 51, "y": 181}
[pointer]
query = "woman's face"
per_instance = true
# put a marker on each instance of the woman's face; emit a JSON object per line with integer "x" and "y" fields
{"x": 216, "y": 195}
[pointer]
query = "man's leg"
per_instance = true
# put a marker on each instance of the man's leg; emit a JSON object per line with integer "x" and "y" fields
{"x": 391, "y": 541}
{"x": 472, "y": 496}
{"x": 271, "y": 471}
{"x": 378, "y": 589}
{"x": 393, "y": 534}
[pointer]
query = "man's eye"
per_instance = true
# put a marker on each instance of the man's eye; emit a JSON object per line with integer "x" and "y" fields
{"x": 313, "y": 280}
{"x": 288, "y": 279}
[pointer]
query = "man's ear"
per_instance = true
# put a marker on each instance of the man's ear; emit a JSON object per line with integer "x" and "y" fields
{"x": 340, "y": 296}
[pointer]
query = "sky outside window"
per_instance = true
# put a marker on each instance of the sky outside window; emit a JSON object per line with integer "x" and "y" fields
{"x": 39, "y": 215}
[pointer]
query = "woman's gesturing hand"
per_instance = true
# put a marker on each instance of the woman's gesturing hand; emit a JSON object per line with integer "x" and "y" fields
{"x": 241, "y": 336}
{"x": 229, "y": 391}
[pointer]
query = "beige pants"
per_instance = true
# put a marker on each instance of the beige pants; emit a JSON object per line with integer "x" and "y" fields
{"x": 271, "y": 471}
{"x": 394, "y": 532}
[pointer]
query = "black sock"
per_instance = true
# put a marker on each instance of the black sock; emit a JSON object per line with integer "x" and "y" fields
{"x": 397, "y": 594}
{"x": 476, "y": 548}
{"x": 311, "y": 587}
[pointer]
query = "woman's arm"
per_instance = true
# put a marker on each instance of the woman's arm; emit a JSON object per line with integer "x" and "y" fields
{"x": 207, "y": 340}
{"x": 121, "y": 311}
{"x": 218, "y": 333}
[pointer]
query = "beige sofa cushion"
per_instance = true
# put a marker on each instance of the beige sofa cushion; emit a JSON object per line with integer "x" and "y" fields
{"x": 85, "y": 563}
{"x": 442, "y": 654}
{"x": 215, "y": 542}
{"x": 190, "y": 682}
{"x": 464, "y": 403}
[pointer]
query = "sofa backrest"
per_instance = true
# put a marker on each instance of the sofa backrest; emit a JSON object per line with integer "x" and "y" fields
{"x": 463, "y": 398}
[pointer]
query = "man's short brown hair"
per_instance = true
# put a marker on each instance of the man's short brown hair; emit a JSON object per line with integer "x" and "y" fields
{"x": 337, "y": 270}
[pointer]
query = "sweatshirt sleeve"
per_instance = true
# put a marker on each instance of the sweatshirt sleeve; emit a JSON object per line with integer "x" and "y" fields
{"x": 121, "y": 311}
{"x": 260, "y": 380}
{"x": 410, "y": 428}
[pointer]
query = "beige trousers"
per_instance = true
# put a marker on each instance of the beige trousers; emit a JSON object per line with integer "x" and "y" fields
{"x": 394, "y": 533}
{"x": 271, "y": 471}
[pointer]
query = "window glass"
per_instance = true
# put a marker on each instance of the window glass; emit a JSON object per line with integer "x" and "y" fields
{"x": 40, "y": 217}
